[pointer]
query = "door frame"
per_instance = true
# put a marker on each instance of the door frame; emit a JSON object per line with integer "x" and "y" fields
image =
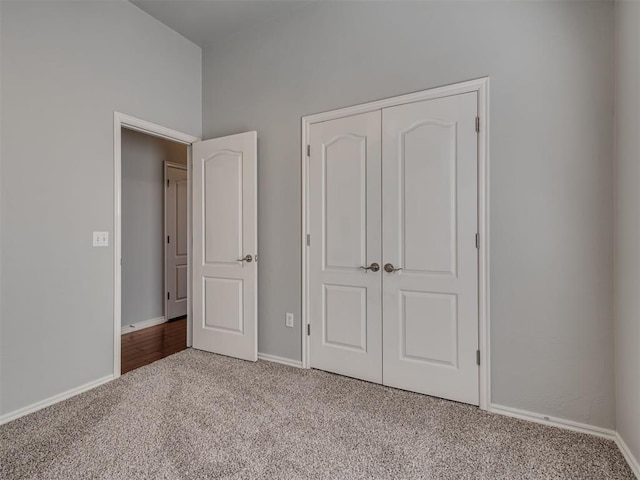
{"x": 165, "y": 170}
{"x": 120, "y": 121}
{"x": 481, "y": 87}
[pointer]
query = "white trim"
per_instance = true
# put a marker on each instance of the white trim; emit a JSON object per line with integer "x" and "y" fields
{"x": 628, "y": 456}
{"x": 285, "y": 361}
{"x": 153, "y": 129}
{"x": 189, "y": 252}
{"x": 574, "y": 426}
{"x": 304, "y": 183}
{"x": 607, "y": 433}
{"x": 484, "y": 264}
{"x": 438, "y": 92}
{"x": 481, "y": 86}
{"x": 120, "y": 120}
{"x": 34, "y": 407}
{"x": 134, "y": 327}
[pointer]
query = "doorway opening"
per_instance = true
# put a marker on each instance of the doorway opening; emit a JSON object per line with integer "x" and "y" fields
{"x": 154, "y": 248}
{"x": 221, "y": 240}
{"x": 152, "y": 301}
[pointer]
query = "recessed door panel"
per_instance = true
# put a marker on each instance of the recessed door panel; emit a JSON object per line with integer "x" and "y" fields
{"x": 181, "y": 282}
{"x": 344, "y": 317}
{"x": 428, "y": 192}
{"x": 344, "y": 227}
{"x": 222, "y": 177}
{"x": 430, "y": 299}
{"x": 429, "y": 328}
{"x": 181, "y": 221}
{"x": 344, "y": 160}
{"x": 223, "y": 304}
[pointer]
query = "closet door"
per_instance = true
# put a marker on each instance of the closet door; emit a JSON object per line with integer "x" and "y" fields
{"x": 430, "y": 275}
{"x": 345, "y": 251}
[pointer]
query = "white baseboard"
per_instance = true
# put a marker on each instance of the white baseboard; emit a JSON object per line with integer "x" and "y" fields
{"x": 34, "y": 407}
{"x": 609, "y": 434}
{"x": 553, "y": 421}
{"x": 284, "y": 361}
{"x": 134, "y": 327}
{"x": 628, "y": 456}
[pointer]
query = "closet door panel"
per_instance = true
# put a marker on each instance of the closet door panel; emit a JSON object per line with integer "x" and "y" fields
{"x": 345, "y": 228}
{"x": 430, "y": 285}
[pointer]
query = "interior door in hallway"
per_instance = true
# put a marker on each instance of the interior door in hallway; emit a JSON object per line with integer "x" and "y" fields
{"x": 225, "y": 246}
{"x": 175, "y": 208}
{"x": 344, "y": 252}
{"x": 430, "y": 293}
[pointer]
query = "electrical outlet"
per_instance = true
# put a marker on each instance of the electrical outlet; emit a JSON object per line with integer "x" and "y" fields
{"x": 100, "y": 239}
{"x": 289, "y": 320}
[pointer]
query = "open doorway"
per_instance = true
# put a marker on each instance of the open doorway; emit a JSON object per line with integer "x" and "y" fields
{"x": 221, "y": 243}
{"x": 154, "y": 233}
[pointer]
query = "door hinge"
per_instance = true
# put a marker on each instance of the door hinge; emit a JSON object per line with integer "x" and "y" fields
{"x": 168, "y": 239}
{"x": 168, "y": 295}
{"x": 308, "y": 329}
{"x": 308, "y": 150}
{"x": 167, "y": 182}
{"x": 477, "y": 240}
{"x": 478, "y": 357}
{"x": 477, "y": 124}
{"x": 308, "y": 240}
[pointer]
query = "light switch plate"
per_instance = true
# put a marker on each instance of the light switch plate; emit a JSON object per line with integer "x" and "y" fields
{"x": 289, "y": 320}
{"x": 100, "y": 239}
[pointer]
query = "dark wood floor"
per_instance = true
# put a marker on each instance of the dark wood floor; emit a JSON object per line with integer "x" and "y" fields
{"x": 146, "y": 346}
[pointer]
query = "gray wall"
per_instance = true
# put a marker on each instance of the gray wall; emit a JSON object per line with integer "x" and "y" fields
{"x": 143, "y": 158}
{"x": 551, "y": 68}
{"x": 65, "y": 67}
{"x": 627, "y": 278}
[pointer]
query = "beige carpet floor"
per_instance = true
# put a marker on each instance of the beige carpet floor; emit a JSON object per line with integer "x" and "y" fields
{"x": 196, "y": 415}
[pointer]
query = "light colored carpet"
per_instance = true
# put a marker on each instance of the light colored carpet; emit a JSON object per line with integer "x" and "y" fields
{"x": 196, "y": 415}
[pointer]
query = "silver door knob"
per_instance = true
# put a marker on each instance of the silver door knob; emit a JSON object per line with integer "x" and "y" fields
{"x": 247, "y": 258}
{"x": 374, "y": 267}
{"x": 389, "y": 268}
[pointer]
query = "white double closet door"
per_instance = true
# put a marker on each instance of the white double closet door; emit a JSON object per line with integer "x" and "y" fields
{"x": 396, "y": 189}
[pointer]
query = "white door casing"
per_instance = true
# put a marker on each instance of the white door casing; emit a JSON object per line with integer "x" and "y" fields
{"x": 121, "y": 121}
{"x": 345, "y": 214}
{"x": 430, "y": 195}
{"x": 176, "y": 258}
{"x": 225, "y": 245}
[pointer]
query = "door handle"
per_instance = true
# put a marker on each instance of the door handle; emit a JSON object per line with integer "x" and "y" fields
{"x": 389, "y": 268}
{"x": 247, "y": 258}
{"x": 374, "y": 267}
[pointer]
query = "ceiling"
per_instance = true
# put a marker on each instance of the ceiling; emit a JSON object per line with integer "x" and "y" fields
{"x": 210, "y": 21}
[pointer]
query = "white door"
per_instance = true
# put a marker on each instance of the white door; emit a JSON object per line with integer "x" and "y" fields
{"x": 225, "y": 246}
{"x": 430, "y": 303}
{"x": 175, "y": 208}
{"x": 345, "y": 214}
